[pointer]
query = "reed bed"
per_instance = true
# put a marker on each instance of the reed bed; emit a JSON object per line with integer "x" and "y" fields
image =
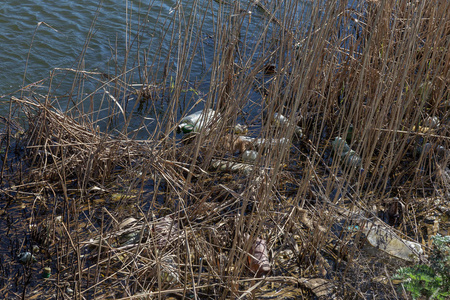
{"x": 116, "y": 215}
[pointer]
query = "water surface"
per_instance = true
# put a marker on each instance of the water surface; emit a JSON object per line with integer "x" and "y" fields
{"x": 38, "y": 37}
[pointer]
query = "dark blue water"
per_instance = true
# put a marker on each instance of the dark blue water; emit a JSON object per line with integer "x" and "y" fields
{"x": 42, "y": 39}
{"x": 53, "y": 34}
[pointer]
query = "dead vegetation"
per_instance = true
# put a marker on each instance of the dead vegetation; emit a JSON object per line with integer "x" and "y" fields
{"x": 119, "y": 216}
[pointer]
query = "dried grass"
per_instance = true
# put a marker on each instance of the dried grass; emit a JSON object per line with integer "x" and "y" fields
{"x": 178, "y": 227}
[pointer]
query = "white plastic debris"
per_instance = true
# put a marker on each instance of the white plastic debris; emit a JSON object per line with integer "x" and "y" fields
{"x": 387, "y": 241}
{"x": 196, "y": 121}
{"x": 281, "y": 120}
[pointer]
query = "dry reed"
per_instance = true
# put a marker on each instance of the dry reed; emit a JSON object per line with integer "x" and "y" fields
{"x": 375, "y": 72}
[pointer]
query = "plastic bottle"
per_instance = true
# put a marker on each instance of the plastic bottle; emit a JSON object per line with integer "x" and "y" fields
{"x": 439, "y": 151}
{"x": 281, "y": 120}
{"x": 47, "y": 271}
{"x": 258, "y": 259}
{"x": 194, "y": 122}
{"x": 249, "y": 155}
{"x": 352, "y": 159}
{"x": 240, "y": 129}
{"x": 347, "y": 155}
{"x": 26, "y": 258}
{"x": 340, "y": 146}
{"x": 271, "y": 142}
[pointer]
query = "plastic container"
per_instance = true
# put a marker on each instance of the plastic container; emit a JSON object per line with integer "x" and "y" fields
{"x": 166, "y": 230}
{"x": 340, "y": 146}
{"x": 249, "y": 155}
{"x": 46, "y": 272}
{"x": 349, "y": 134}
{"x": 258, "y": 260}
{"x": 431, "y": 122}
{"x": 259, "y": 142}
{"x": 281, "y": 120}
{"x": 352, "y": 159}
{"x": 271, "y": 142}
{"x": 196, "y": 121}
{"x": 348, "y": 156}
{"x": 439, "y": 151}
{"x": 26, "y": 258}
{"x": 240, "y": 129}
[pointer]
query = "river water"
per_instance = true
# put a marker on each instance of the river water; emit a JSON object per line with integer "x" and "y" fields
{"x": 52, "y": 34}
{"x": 38, "y": 37}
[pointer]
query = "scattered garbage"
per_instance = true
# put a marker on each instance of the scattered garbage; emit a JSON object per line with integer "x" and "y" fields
{"x": 428, "y": 125}
{"x": 348, "y": 156}
{"x": 281, "y": 120}
{"x": 166, "y": 230}
{"x": 240, "y": 129}
{"x": 196, "y": 121}
{"x": 231, "y": 166}
{"x": 69, "y": 291}
{"x": 258, "y": 258}
{"x": 386, "y": 240}
{"x": 431, "y": 122}
{"x": 168, "y": 269}
{"x": 26, "y": 258}
{"x": 440, "y": 152}
{"x": 349, "y": 136}
{"x": 249, "y": 155}
{"x": 46, "y": 272}
{"x": 243, "y": 143}
{"x": 320, "y": 287}
{"x": 129, "y": 238}
{"x": 340, "y": 146}
{"x": 380, "y": 237}
{"x": 272, "y": 142}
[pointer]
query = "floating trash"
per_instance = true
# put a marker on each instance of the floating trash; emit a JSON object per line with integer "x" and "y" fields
{"x": 169, "y": 271}
{"x": 431, "y": 122}
{"x": 240, "y": 129}
{"x": 271, "y": 142}
{"x": 281, "y": 120}
{"x": 230, "y": 166}
{"x": 130, "y": 238}
{"x": 349, "y": 133}
{"x": 196, "y": 121}
{"x": 387, "y": 241}
{"x": 439, "y": 151}
{"x": 353, "y": 228}
{"x": 322, "y": 288}
{"x": 241, "y": 144}
{"x": 340, "y": 145}
{"x": 69, "y": 291}
{"x": 26, "y": 258}
{"x": 348, "y": 156}
{"x": 258, "y": 258}
{"x": 46, "y": 272}
{"x": 249, "y": 155}
{"x": 352, "y": 159}
{"x": 166, "y": 230}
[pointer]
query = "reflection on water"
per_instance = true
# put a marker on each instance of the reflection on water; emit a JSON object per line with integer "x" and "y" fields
{"x": 145, "y": 38}
{"x": 59, "y": 41}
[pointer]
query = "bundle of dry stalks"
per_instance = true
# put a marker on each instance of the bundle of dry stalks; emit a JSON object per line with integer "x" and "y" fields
{"x": 60, "y": 147}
